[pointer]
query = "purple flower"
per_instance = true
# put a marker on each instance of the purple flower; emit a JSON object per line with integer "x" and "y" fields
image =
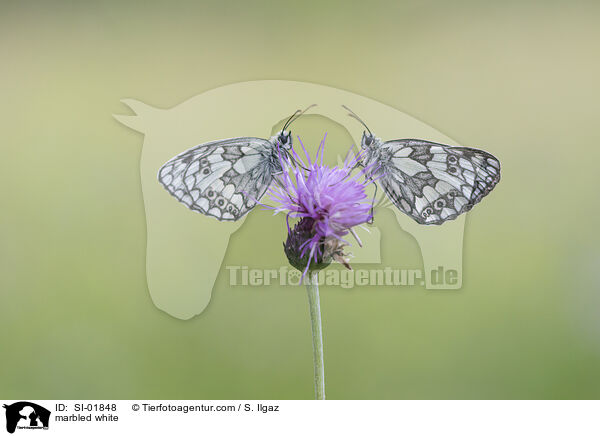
{"x": 329, "y": 202}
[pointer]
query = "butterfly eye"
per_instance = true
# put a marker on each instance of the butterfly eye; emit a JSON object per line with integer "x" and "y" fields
{"x": 452, "y": 159}
{"x": 452, "y": 170}
{"x": 230, "y": 208}
{"x": 210, "y": 193}
{"x": 204, "y": 162}
{"x": 440, "y": 203}
{"x": 205, "y": 171}
{"x": 220, "y": 202}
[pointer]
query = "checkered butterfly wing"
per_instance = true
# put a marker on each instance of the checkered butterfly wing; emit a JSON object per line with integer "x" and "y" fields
{"x": 222, "y": 179}
{"x": 434, "y": 183}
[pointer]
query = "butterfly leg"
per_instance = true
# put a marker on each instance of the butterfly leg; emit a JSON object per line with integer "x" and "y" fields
{"x": 372, "y": 219}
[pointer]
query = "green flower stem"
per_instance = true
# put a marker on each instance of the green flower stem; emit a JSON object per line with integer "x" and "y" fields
{"x": 312, "y": 287}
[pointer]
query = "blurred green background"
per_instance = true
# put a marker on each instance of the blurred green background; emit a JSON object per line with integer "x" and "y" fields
{"x": 519, "y": 79}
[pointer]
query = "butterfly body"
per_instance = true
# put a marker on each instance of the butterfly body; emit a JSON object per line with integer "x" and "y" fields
{"x": 225, "y": 179}
{"x": 430, "y": 182}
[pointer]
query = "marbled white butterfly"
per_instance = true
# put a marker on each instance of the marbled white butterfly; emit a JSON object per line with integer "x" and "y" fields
{"x": 432, "y": 183}
{"x": 224, "y": 179}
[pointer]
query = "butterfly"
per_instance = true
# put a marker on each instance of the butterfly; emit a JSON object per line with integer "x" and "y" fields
{"x": 225, "y": 179}
{"x": 430, "y": 182}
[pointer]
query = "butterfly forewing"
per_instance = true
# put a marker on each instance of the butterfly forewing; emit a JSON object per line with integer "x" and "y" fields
{"x": 222, "y": 179}
{"x": 434, "y": 183}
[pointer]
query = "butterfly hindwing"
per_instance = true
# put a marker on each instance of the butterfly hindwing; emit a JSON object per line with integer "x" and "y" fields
{"x": 222, "y": 179}
{"x": 434, "y": 183}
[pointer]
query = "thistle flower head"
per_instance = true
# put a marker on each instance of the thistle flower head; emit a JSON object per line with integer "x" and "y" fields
{"x": 329, "y": 202}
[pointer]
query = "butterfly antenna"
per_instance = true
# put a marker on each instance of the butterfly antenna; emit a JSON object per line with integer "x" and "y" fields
{"x": 289, "y": 120}
{"x": 356, "y": 117}
{"x": 307, "y": 108}
{"x": 297, "y": 115}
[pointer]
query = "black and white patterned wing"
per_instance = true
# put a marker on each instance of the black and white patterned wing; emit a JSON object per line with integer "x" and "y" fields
{"x": 434, "y": 183}
{"x": 221, "y": 179}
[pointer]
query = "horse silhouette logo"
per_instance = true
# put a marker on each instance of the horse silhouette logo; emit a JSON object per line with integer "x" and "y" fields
{"x": 26, "y": 415}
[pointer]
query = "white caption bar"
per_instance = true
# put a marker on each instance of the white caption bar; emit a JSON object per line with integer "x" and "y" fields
{"x": 264, "y": 417}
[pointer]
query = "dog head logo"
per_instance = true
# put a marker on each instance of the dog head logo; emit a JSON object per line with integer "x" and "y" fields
{"x": 26, "y": 415}
{"x": 186, "y": 250}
